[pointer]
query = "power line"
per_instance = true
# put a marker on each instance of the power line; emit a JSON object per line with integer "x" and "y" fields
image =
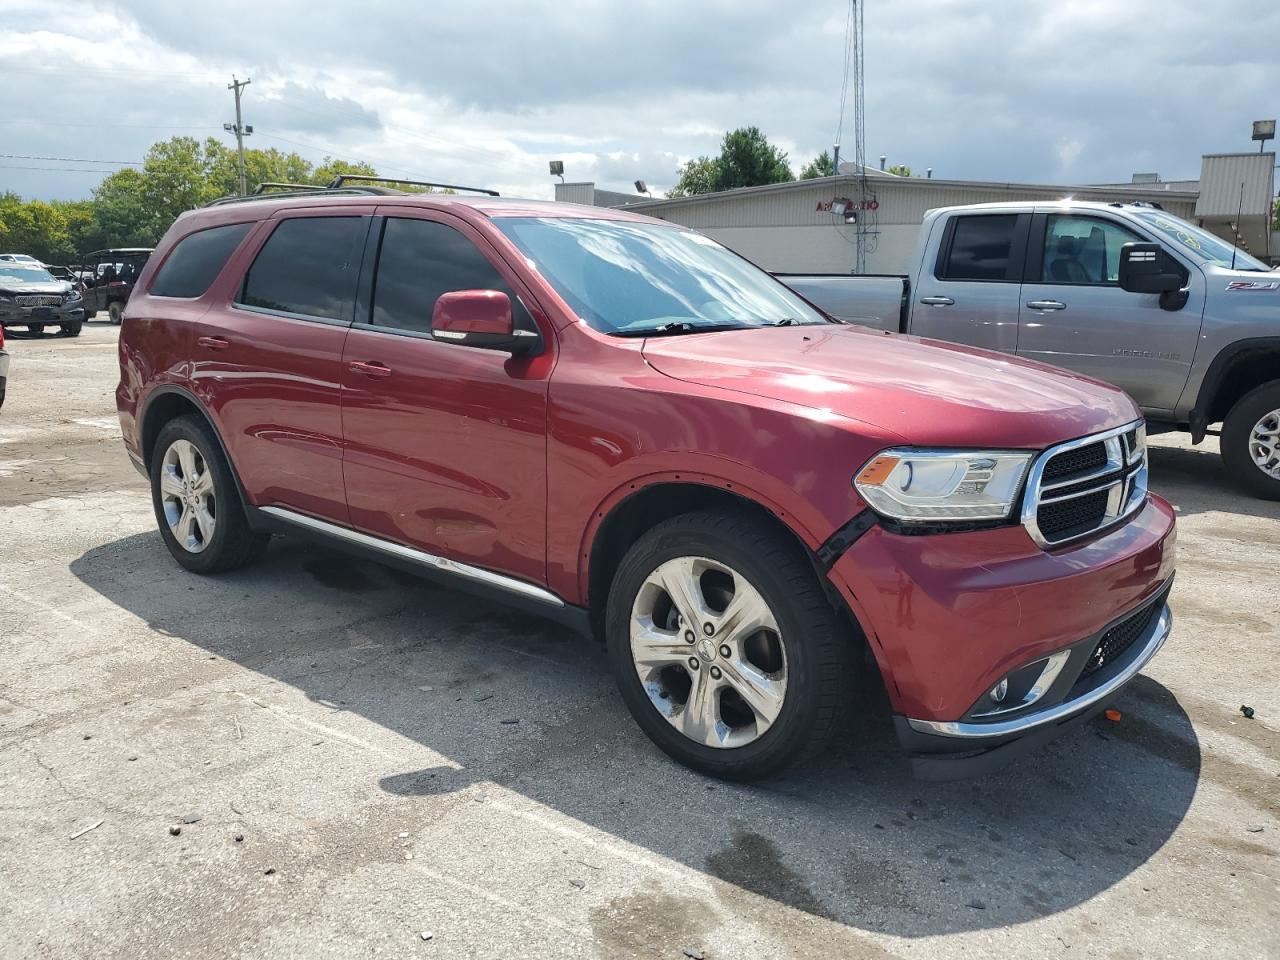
{"x": 99, "y": 171}
{"x": 23, "y": 156}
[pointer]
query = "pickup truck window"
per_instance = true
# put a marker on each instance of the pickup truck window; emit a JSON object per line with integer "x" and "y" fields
{"x": 308, "y": 266}
{"x": 980, "y": 247}
{"x": 421, "y": 259}
{"x": 1083, "y": 250}
{"x": 1198, "y": 243}
{"x": 641, "y": 279}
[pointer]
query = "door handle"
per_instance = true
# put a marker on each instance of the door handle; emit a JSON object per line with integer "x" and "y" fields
{"x": 1046, "y": 305}
{"x": 214, "y": 343}
{"x": 937, "y": 301}
{"x": 370, "y": 368}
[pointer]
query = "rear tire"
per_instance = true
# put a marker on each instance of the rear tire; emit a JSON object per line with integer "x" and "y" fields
{"x": 197, "y": 504}
{"x": 795, "y": 670}
{"x": 1250, "y": 442}
{"x": 116, "y": 312}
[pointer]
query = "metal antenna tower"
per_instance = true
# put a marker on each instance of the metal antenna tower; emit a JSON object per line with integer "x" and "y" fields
{"x": 859, "y": 138}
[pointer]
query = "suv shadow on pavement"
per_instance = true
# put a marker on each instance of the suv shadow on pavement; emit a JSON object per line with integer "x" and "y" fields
{"x": 852, "y": 839}
{"x": 1194, "y": 480}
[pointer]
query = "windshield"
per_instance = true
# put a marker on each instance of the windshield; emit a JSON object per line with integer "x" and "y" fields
{"x": 1199, "y": 242}
{"x": 642, "y": 279}
{"x": 23, "y": 273}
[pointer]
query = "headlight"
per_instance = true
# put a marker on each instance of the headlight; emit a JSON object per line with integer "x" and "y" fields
{"x": 73, "y": 296}
{"x": 5, "y": 299}
{"x": 932, "y": 485}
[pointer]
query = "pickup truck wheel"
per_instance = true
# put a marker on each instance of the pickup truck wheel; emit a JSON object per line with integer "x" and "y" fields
{"x": 1251, "y": 441}
{"x": 72, "y": 329}
{"x": 197, "y": 506}
{"x": 725, "y": 647}
{"x": 116, "y": 312}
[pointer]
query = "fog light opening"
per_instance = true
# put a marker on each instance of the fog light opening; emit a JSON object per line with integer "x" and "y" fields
{"x": 1000, "y": 691}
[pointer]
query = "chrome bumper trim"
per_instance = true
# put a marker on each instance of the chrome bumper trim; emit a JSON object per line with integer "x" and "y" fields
{"x": 1157, "y": 634}
{"x": 399, "y": 550}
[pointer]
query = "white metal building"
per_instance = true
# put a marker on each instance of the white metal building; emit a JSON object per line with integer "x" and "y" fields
{"x": 791, "y": 226}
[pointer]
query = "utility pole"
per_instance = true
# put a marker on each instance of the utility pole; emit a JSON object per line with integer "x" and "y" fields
{"x": 239, "y": 129}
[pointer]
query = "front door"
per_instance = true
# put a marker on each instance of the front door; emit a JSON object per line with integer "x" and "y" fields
{"x": 445, "y": 445}
{"x": 1075, "y": 315}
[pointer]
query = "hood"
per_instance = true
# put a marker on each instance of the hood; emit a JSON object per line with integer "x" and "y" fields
{"x": 46, "y": 287}
{"x": 928, "y": 392}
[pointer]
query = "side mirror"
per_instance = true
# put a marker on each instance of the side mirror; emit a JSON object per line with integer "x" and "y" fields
{"x": 480, "y": 318}
{"x": 1149, "y": 268}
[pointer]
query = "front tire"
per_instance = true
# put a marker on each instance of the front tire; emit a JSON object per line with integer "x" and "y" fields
{"x": 197, "y": 505}
{"x": 725, "y": 647}
{"x": 116, "y": 312}
{"x": 72, "y": 329}
{"x": 1250, "y": 442}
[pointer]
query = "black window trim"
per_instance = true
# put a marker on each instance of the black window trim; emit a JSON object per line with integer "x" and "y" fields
{"x": 338, "y": 213}
{"x": 251, "y": 224}
{"x": 369, "y": 272}
{"x": 1014, "y": 270}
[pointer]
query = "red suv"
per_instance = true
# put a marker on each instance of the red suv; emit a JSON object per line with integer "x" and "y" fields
{"x": 619, "y": 423}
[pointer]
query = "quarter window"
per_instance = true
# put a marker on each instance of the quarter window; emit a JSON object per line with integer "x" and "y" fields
{"x": 309, "y": 265}
{"x": 197, "y": 260}
{"x": 420, "y": 260}
{"x": 980, "y": 248}
{"x": 1083, "y": 250}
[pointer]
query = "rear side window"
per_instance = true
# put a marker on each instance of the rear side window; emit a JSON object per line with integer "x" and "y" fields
{"x": 980, "y": 248}
{"x": 420, "y": 260}
{"x": 197, "y": 260}
{"x": 309, "y": 265}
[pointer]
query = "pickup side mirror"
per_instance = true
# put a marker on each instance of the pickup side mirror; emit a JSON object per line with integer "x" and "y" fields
{"x": 1149, "y": 268}
{"x": 480, "y": 318}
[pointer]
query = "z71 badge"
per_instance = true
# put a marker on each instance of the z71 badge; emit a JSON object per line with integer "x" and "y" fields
{"x": 1254, "y": 285}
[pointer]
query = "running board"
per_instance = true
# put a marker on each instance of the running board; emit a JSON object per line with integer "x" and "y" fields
{"x": 430, "y": 561}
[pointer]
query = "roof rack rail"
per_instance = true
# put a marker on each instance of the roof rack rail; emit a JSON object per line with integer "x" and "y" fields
{"x": 342, "y": 178}
{"x": 276, "y": 185}
{"x": 1151, "y": 204}
{"x": 305, "y": 190}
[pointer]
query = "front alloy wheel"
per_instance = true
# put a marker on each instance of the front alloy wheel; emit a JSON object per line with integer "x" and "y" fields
{"x": 186, "y": 492}
{"x": 708, "y": 652}
{"x": 1250, "y": 442}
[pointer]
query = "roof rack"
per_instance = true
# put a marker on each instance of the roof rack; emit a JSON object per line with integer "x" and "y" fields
{"x": 289, "y": 191}
{"x": 342, "y": 178}
{"x": 275, "y": 185}
{"x": 1150, "y": 204}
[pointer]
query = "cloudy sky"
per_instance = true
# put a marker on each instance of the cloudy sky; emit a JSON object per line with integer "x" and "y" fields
{"x": 486, "y": 92}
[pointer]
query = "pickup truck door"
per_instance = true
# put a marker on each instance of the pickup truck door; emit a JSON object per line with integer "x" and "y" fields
{"x": 968, "y": 291}
{"x": 1075, "y": 315}
{"x": 445, "y": 445}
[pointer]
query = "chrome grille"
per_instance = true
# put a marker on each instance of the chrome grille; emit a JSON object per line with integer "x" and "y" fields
{"x": 38, "y": 300}
{"x": 1082, "y": 486}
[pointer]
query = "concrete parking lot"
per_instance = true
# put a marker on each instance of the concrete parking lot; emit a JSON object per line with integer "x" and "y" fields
{"x": 360, "y": 764}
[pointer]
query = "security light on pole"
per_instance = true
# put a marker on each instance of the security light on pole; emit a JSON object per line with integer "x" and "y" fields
{"x": 1264, "y": 130}
{"x": 642, "y": 187}
{"x": 557, "y": 169}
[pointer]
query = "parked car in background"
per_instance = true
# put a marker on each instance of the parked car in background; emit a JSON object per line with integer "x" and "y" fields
{"x": 1126, "y": 293}
{"x": 19, "y": 258}
{"x": 620, "y": 424}
{"x": 31, "y": 297}
{"x": 113, "y": 273}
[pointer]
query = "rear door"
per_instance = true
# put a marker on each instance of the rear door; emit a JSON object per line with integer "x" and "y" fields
{"x": 969, "y": 294}
{"x": 268, "y": 356}
{"x": 1075, "y": 315}
{"x": 446, "y": 444}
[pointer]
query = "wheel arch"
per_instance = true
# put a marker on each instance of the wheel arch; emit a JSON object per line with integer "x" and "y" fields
{"x": 1237, "y": 369}
{"x": 167, "y": 403}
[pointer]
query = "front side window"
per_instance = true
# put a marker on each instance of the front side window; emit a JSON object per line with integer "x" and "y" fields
{"x": 980, "y": 247}
{"x": 421, "y": 259}
{"x": 309, "y": 265}
{"x": 1083, "y": 250}
{"x": 643, "y": 279}
{"x": 197, "y": 260}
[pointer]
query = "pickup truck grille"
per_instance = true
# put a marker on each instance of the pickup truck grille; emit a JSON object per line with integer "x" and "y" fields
{"x": 1086, "y": 485}
{"x": 38, "y": 300}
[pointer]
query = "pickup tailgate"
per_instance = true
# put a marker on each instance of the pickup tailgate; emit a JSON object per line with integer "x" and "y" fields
{"x": 869, "y": 301}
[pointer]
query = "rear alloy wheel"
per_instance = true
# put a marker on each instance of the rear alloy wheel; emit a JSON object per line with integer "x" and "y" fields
{"x": 1250, "y": 442}
{"x": 196, "y": 501}
{"x": 116, "y": 312}
{"x": 725, "y": 647}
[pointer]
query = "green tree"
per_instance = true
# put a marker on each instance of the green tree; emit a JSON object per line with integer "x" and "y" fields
{"x": 820, "y": 166}
{"x": 900, "y": 170}
{"x": 696, "y": 176}
{"x": 51, "y": 231}
{"x": 748, "y": 159}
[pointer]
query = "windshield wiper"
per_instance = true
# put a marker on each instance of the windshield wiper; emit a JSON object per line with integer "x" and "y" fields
{"x": 678, "y": 327}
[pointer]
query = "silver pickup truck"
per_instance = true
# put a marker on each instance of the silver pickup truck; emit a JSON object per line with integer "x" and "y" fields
{"x": 1126, "y": 293}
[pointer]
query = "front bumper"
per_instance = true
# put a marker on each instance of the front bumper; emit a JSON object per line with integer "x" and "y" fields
{"x": 12, "y": 315}
{"x": 948, "y": 616}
